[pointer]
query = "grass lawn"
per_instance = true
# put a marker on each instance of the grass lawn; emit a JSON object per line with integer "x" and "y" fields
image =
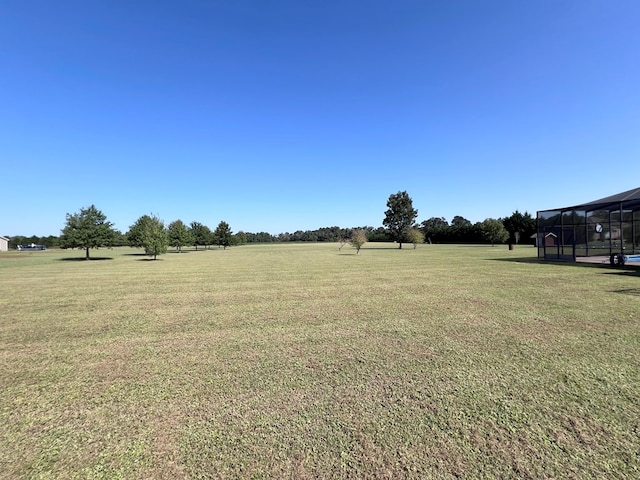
{"x": 302, "y": 361}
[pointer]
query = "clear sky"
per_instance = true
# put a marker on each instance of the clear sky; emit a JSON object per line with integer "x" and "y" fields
{"x": 298, "y": 114}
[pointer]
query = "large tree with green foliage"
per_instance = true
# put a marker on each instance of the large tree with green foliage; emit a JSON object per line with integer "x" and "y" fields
{"x": 87, "y": 229}
{"x": 152, "y": 235}
{"x": 435, "y": 227}
{"x": 241, "y": 238}
{"x": 179, "y": 235}
{"x": 135, "y": 235}
{"x": 493, "y": 231}
{"x": 201, "y": 235}
{"x": 459, "y": 221}
{"x": 434, "y": 223}
{"x": 400, "y": 216}
{"x": 519, "y": 225}
{"x": 223, "y": 235}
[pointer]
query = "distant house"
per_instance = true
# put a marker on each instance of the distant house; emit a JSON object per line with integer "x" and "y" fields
{"x": 4, "y": 244}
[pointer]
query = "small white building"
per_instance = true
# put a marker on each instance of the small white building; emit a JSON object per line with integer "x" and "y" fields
{"x": 4, "y": 244}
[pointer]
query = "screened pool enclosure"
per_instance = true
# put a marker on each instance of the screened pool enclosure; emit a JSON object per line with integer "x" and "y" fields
{"x": 608, "y": 228}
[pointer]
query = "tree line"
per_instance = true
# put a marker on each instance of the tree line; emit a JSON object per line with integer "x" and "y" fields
{"x": 89, "y": 228}
{"x": 515, "y": 229}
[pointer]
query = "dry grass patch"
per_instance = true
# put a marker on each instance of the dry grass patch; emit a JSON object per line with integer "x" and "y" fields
{"x": 298, "y": 361}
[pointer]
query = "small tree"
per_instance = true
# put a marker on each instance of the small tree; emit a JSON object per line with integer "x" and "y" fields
{"x": 223, "y": 235}
{"x": 415, "y": 236}
{"x": 493, "y": 231}
{"x": 400, "y": 216}
{"x": 154, "y": 237}
{"x": 179, "y": 235}
{"x": 87, "y": 229}
{"x": 358, "y": 239}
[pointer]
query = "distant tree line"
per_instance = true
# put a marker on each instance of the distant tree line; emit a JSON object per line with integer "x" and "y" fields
{"x": 518, "y": 228}
{"x": 50, "y": 241}
{"x": 324, "y": 234}
{"x": 435, "y": 230}
{"x": 89, "y": 228}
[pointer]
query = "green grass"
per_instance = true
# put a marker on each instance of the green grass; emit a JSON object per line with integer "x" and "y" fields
{"x": 302, "y": 361}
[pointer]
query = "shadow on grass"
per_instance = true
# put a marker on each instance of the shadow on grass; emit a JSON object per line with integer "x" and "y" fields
{"x": 527, "y": 260}
{"x": 497, "y": 246}
{"x": 626, "y": 270}
{"x": 630, "y": 271}
{"x": 629, "y": 274}
{"x": 628, "y": 291}
{"x": 149, "y": 259}
{"x": 83, "y": 259}
{"x": 142, "y": 254}
{"x": 368, "y": 247}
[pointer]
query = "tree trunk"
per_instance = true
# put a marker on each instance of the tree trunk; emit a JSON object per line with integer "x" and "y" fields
{"x": 400, "y": 247}
{"x": 86, "y": 257}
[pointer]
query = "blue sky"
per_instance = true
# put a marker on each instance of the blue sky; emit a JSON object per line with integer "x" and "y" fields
{"x": 293, "y": 115}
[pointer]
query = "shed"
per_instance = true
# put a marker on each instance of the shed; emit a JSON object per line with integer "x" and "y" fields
{"x": 4, "y": 244}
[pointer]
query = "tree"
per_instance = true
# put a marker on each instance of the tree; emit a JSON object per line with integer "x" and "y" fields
{"x": 179, "y": 235}
{"x": 435, "y": 229}
{"x": 459, "y": 221}
{"x": 415, "y": 236}
{"x": 16, "y": 240}
{"x": 223, "y": 235}
{"x": 135, "y": 236}
{"x": 241, "y": 237}
{"x": 155, "y": 240}
{"x": 358, "y": 239}
{"x": 148, "y": 232}
{"x": 379, "y": 234}
{"x": 518, "y": 225}
{"x": 87, "y": 229}
{"x": 120, "y": 239}
{"x": 434, "y": 223}
{"x": 201, "y": 235}
{"x": 400, "y": 216}
{"x": 493, "y": 231}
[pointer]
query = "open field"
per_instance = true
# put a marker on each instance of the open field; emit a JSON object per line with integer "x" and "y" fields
{"x": 302, "y": 361}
